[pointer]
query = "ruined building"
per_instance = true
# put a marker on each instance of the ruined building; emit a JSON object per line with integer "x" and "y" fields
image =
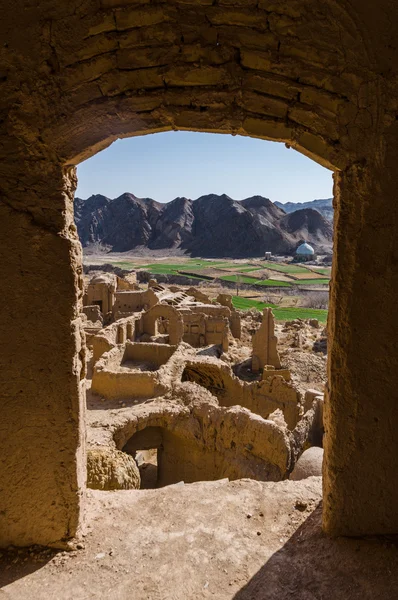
{"x": 321, "y": 77}
{"x": 151, "y": 362}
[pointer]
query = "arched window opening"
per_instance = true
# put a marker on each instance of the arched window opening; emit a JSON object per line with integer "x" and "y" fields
{"x": 207, "y": 299}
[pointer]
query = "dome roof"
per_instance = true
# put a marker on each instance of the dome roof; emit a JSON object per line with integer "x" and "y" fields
{"x": 106, "y": 278}
{"x": 305, "y": 249}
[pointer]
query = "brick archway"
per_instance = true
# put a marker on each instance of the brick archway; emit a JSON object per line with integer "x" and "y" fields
{"x": 176, "y": 324}
{"x": 319, "y": 78}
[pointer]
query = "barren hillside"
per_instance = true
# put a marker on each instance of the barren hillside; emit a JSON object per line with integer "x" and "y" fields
{"x": 211, "y": 226}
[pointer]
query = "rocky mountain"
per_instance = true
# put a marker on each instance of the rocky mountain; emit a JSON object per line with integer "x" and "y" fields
{"x": 325, "y": 207}
{"x": 211, "y": 226}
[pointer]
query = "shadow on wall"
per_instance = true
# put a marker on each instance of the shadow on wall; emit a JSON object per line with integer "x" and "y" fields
{"x": 312, "y": 566}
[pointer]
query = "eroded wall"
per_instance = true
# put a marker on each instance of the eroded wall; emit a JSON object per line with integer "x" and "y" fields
{"x": 260, "y": 397}
{"x": 42, "y": 462}
{"x": 205, "y": 442}
{"x": 113, "y": 377}
{"x": 127, "y": 302}
{"x": 116, "y": 333}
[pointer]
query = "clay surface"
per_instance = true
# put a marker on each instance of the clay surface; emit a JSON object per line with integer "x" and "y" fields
{"x": 241, "y": 540}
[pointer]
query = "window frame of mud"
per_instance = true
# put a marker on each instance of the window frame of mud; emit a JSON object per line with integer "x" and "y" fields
{"x": 318, "y": 159}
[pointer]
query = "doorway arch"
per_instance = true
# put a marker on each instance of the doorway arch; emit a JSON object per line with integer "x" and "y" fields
{"x": 282, "y": 71}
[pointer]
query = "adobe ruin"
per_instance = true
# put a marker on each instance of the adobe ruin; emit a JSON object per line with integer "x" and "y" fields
{"x": 320, "y": 77}
{"x": 264, "y": 344}
{"x": 188, "y": 407}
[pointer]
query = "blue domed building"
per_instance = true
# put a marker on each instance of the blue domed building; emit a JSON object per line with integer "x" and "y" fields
{"x": 305, "y": 252}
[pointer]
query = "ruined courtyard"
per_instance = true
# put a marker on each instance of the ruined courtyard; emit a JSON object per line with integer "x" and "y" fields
{"x": 170, "y": 371}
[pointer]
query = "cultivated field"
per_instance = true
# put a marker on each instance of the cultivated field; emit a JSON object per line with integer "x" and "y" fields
{"x": 234, "y": 271}
{"x": 284, "y": 286}
{"x": 281, "y": 314}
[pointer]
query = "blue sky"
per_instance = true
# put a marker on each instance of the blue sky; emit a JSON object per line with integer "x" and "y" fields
{"x": 163, "y": 166}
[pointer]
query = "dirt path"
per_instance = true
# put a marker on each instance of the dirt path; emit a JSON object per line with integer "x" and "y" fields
{"x": 240, "y": 540}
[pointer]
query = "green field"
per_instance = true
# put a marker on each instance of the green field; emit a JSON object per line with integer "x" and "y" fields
{"x": 194, "y": 265}
{"x": 312, "y": 281}
{"x": 284, "y": 268}
{"x": 323, "y": 271}
{"x": 272, "y": 282}
{"x": 198, "y": 264}
{"x": 249, "y": 269}
{"x": 281, "y": 314}
{"x": 167, "y": 269}
{"x": 288, "y": 314}
{"x": 241, "y": 268}
{"x": 239, "y": 279}
{"x": 247, "y": 303}
{"x": 254, "y": 281}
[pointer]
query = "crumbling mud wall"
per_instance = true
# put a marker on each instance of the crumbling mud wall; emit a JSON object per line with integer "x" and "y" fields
{"x": 42, "y": 464}
{"x": 93, "y": 314}
{"x": 101, "y": 291}
{"x": 116, "y": 333}
{"x": 127, "y": 302}
{"x": 131, "y": 371}
{"x": 197, "y": 439}
{"x": 148, "y": 323}
{"x": 261, "y": 397}
{"x": 321, "y": 77}
{"x": 203, "y": 330}
{"x": 196, "y": 447}
{"x": 265, "y": 350}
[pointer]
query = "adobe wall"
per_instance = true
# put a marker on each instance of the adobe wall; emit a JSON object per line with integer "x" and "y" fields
{"x": 114, "y": 380}
{"x": 193, "y": 451}
{"x": 183, "y": 459}
{"x": 116, "y": 333}
{"x": 260, "y": 397}
{"x": 212, "y": 310}
{"x": 127, "y": 284}
{"x": 235, "y": 325}
{"x": 93, "y": 313}
{"x": 265, "y": 351}
{"x": 148, "y": 322}
{"x": 196, "y": 293}
{"x": 127, "y": 301}
{"x": 115, "y": 385}
{"x": 361, "y": 407}
{"x": 75, "y": 76}
{"x": 202, "y": 330}
{"x": 101, "y": 289}
{"x": 42, "y": 457}
{"x": 158, "y": 354}
{"x": 217, "y": 330}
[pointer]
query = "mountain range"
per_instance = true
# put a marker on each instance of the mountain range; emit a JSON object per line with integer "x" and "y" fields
{"x": 211, "y": 226}
{"x": 325, "y": 206}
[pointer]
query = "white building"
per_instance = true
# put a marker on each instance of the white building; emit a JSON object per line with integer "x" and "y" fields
{"x": 305, "y": 252}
